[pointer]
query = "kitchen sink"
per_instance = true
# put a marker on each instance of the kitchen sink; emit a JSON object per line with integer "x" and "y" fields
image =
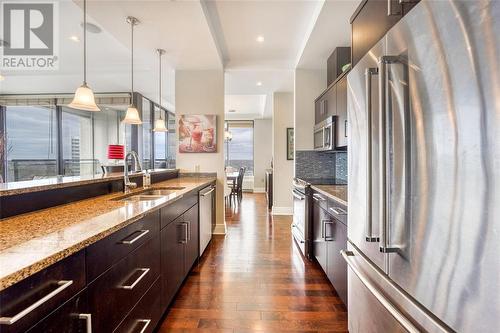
{"x": 149, "y": 194}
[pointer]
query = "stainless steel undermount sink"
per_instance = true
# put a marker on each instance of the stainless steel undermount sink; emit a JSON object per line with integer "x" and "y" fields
{"x": 149, "y": 194}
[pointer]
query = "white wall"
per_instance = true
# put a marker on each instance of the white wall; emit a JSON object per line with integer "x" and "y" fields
{"x": 263, "y": 152}
{"x": 283, "y": 168}
{"x": 202, "y": 92}
{"x": 308, "y": 84}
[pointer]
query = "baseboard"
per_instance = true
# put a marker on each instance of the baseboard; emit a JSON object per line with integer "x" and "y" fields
{"x": 220, "y": 229}
{"x": 282, "y": 210}
{"x": 259, "y": 190}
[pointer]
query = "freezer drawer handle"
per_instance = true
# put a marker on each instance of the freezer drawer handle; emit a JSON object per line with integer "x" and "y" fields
{"x": 63, "y": 284}
{"x": 369, "y": 236}
{"x": 408, "y": 325}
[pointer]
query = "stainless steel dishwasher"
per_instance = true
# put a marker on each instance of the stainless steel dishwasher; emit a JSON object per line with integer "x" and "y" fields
{"x": 207, "y": 200}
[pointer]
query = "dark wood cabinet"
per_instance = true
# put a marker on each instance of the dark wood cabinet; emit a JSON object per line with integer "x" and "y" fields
{"x": 340, "y": 56}
{"x": 172, "y": 258}
{"x": 122, "y": 283}
{"x": 371, "y": 21}
{"x": 329, "y": 237}
{"x": 56, "y": 284}
{"x": 146, "y": 314}
{"x": 341, "y": 123}
{"x": 192, "y": 246}
{"x": 114, "y": 293}
{"x": 72, "y": 317}
{"x": 319, "y": 241}
{"x": 106, "y": 252}
{"x": 325, "y": 105}
{"x": 337, "y": 267}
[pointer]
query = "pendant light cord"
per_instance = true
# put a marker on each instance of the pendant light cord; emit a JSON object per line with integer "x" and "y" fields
{"x": 85, "y": 42}
{"x": 159, "y": 93}
{"x": 132, "y": 65}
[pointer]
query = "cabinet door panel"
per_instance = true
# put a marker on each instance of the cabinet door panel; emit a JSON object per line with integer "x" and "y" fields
{"x": 172, "y": 259}
{"x": 319, "y": 243}
{"x": 113, "y": 294}
{"x": 337, "y": 267}
{"x": 331, "y": 104}
{"x": 70, "y": 318}
{"x": 342, "y": 125}
{"x": 193, "y": 243}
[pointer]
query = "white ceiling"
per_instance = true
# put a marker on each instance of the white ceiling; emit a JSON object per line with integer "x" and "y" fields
{"x": 199, "y": 34}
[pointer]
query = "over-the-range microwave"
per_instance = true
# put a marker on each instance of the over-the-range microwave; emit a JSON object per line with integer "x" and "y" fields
{"x": 324, "y": 134}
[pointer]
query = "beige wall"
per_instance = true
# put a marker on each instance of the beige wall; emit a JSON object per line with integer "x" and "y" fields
{"x": 263, "y": 152}
{"x": 202, "y": 92}
{"x": 283, "y": 168}
{"x": 308, "y": 84}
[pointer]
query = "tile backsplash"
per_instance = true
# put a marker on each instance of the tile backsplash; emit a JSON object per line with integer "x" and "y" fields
{"x": 314, "y": 164}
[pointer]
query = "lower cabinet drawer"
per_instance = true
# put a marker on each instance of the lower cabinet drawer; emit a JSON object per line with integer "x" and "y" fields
{"x": 72, "y": 317}
{"x": 24, "y": 304}
{"x": 114, "y": 293}
{"x": 145, "y": 315}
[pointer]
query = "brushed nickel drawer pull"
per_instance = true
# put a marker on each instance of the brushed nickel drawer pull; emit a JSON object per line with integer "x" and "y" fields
{"x": 144, "y": 272}
{"x": 208, "y": 192}
{"x": 88, "y": 321}
{"x": 145, "y": 323}
{"x": 132, "y": 241}
{"x": 63, "y": 284}
{"x": 318, "y": 197}
{"x": 338, "y": 211}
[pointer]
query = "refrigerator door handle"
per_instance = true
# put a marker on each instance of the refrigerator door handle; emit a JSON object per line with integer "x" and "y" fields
{"x": 369, "y": 236}
{"x": 385, "y": 129}
{"x": 387, "y": 304}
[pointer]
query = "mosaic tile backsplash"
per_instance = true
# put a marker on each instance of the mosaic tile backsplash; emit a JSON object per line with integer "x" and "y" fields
{"x": 314, "y": 164}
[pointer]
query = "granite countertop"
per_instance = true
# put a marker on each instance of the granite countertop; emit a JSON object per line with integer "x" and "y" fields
{"x": 60, "y": 182}
{"x": 335, "y": 192}
{"x": 33, "y": 241}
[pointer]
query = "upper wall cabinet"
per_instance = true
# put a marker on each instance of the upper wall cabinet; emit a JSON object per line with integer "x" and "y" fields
{"x": 340, "y": 57}
{"x": 342, "y": 125}
{"x": 371, "y": 21}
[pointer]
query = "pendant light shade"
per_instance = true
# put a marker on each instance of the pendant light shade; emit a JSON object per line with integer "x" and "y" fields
{"x": 84, "y": 99}
{"x": 132, "y": 116}
{"x": 160, "y": 123}
{"x": 84, "y": 96}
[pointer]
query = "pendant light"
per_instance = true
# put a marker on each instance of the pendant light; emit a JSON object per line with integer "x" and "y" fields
{"x": 160, "y": 123}
{"x": 132, "y": 115}
{"x": 84, "y": 96}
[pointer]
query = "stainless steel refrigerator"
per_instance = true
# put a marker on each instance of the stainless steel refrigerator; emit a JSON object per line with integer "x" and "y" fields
{"x": 424, "y": 174}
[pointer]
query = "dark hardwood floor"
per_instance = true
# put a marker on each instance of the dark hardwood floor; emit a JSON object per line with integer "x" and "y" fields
{"x": 254, "y": 280}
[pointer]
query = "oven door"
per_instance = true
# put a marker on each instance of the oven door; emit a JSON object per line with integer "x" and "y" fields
{"x": 299, "y": 220}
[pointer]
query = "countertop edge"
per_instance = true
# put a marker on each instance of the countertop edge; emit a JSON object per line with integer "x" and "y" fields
{"x": 329, "y": 195}
{"x": 31, "y": 269}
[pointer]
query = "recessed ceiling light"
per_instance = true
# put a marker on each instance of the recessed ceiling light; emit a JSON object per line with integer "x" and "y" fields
{"x": 259, "y": 83}
{"x": 74, "y": 38}
{"x": 231, "y": 110}
{"x": 260, "y": 39}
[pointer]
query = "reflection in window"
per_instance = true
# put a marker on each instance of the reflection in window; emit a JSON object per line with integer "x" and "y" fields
{"x": 31, "y": 142}
{"x": 239, "y": 150}
{"x": 146, "y": 134}
{"x": 77, "y": 143}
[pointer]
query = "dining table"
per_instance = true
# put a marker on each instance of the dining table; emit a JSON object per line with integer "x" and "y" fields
{"x": 232, "y": 177}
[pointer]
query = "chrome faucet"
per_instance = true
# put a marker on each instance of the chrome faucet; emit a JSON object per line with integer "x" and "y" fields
{"x": 127, "y": 185}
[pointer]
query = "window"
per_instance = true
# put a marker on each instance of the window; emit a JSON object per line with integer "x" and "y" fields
{"x": 146, "y": 133}
{"x": 77, "y": 143}
{"x": 30, "y": 129}
{"x": 239, "y": 149}
{"x": 30, "y": 142}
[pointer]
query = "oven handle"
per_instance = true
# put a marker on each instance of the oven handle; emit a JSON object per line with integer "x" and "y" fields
{"x": 298, "y": 195}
